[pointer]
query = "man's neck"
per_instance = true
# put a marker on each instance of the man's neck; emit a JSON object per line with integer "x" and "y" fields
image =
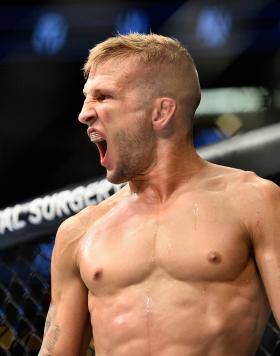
{"x": 170, "y": 171}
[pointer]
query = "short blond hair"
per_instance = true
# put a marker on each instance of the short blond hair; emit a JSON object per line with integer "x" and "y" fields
{"x": 149, "y": 48}
{"x": 167, "y": 59}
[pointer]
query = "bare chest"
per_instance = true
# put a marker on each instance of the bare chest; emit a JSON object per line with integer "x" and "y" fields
{"x": 190, "y": 243}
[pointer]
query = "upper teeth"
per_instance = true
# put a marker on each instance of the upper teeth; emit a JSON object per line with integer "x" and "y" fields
{"x": 95, "y": 137}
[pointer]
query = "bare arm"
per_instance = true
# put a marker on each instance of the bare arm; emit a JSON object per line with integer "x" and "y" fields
{"x": 67, "y": 329}
{"x": 266, "y": 240}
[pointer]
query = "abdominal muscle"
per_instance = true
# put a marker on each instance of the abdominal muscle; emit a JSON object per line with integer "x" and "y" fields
{"x": 175, "y": 318}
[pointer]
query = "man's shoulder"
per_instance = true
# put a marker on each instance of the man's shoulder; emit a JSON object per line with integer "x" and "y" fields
{"x": 247, "y": 186}
{"x": 253, "y": 185}
{"x": 75, "y": 227}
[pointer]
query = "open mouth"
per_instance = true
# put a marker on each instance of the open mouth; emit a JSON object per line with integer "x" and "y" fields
{"x": 100, "y": 142}
{"x": 102, "y": 147}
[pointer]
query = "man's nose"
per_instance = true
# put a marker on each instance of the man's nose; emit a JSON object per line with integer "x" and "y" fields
{"x": 87, "y": 115}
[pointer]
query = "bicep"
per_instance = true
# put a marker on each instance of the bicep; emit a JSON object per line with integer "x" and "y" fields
{"x": 67, "y": 328}
{"x": 267, "y": 247}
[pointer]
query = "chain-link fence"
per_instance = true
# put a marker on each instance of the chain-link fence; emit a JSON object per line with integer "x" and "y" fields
{"x": 25, "y": 297}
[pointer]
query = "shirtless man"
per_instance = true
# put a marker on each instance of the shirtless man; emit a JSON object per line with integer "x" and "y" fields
{"x": 185, "y": 259}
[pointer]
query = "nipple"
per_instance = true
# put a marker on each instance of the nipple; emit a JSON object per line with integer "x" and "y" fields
{"x": 97, "y": 274}
{"x": 214, "y": 257}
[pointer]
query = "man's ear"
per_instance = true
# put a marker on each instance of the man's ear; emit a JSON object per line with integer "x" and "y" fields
{"x": 163, "y": 112}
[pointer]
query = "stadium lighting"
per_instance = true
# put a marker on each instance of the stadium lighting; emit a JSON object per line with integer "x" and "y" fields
{"x": 232, "y": 100}
{"x": 213, "y": 26}
{"x": 50, "y": 33}
{"x": 134, "y": 20}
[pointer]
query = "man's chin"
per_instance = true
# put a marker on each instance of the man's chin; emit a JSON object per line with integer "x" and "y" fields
{"x": 117, "y": 177}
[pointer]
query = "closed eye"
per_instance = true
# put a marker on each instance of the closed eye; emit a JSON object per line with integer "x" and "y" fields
{"x": 102, "y": 97}
{"x": 97, "y": 95}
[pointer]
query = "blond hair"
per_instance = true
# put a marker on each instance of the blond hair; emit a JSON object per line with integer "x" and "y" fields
{"x": 150, "y": 49}
{"x": 169, "y": 61}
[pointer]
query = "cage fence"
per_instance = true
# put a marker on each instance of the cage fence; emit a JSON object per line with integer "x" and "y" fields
{"x": 25, "y": 297}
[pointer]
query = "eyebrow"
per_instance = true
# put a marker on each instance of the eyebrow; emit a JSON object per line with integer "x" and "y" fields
{"x": 96, "y": 91}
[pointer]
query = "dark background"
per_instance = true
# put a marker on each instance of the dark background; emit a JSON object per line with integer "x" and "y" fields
{"x": 42, "y": 50}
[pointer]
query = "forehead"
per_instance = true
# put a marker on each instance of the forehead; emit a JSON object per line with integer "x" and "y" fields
{"x": 116, "y": 72}
{"x": 108, "y": 67}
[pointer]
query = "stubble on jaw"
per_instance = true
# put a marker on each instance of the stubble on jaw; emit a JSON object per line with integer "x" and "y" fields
{"x": 135, "y": 152}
